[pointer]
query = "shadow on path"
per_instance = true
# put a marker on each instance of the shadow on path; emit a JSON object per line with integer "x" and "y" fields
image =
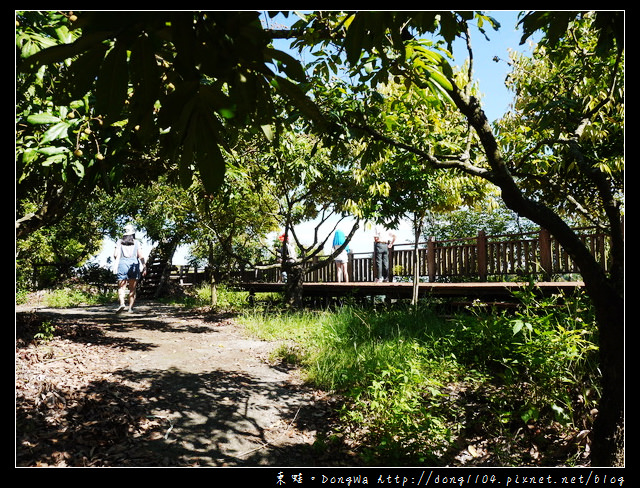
{"x": 168, "y": 388}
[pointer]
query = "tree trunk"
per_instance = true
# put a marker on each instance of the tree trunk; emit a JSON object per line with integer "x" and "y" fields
{"x": 293, "y": 285}
{"x": 608, "y": 429}
{"x": 212, "y": 278}
{"x": 417, "y": 228}
{"x": 607, "y": 298}
{"x": 605, "y": 292}
{"x": 162, "y": 257}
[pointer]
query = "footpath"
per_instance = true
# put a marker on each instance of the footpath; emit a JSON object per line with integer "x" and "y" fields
{"x": 160, "y": 387}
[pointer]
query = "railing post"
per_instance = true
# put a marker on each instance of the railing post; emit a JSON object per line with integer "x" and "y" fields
{"x": 314, "y": 278}
{"x": 544, "y": 241}
{"x": 483, "y": 256}
{"x": 431, "y": 259}
{"x": 374, "y": 268}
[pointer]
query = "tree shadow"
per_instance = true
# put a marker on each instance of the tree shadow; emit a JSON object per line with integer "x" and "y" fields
{"x": 89, "y": 324}
{"x": 218, "y": 418}
{"x": 157, "y": 418}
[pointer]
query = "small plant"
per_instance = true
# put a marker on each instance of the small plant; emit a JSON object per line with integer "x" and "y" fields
{"x": 225, "y": 298}
{"x": 45, "y": 332}
{"x": 74, "y": 296}
{"x": 22, "y": 297}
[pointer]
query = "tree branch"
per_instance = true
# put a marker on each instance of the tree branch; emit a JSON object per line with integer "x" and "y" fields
{"x": 461, "y": 163}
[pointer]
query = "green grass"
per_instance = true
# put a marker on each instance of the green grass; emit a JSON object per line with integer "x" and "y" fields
{"x": 415, "y": 383}
{"x": 66, "y": 297}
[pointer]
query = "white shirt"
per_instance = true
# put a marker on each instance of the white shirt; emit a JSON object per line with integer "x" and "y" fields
{"x": 380, "y": 234}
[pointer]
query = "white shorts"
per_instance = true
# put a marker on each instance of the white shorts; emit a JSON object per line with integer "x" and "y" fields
{"x": 343, "y": 257}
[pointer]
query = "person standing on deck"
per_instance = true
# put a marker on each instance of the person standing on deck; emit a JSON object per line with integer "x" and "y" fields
{"x": 383, "y": 240}
{"x": 288, "y": 254}
{"x": 341, "y": 259}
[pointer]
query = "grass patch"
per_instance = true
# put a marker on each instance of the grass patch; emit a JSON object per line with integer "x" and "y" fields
{"x": 66, "y": 297}
{"x": 418, "y": 386}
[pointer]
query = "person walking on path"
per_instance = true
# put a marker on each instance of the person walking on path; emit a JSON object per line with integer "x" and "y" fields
{"x": 129, "y": 267}
{"x": 383, "y": 240}
{"x": 341, "y": 259}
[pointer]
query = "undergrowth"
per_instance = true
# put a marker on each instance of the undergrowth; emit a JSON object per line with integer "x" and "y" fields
{"x": 71, "y": 296}
{"x": 418, "y": 385}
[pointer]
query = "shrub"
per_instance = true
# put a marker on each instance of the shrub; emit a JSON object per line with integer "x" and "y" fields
{"x": 415, "y": 383}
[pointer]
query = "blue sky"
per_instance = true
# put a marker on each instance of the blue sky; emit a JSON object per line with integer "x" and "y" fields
{"x": 491, "y": 75}
{"x": 495, "y": 99}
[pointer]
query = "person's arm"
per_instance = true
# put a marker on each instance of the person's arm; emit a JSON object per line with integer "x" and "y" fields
{"x": 142, "y": 261}
{"x": 393, "y": 239}
{"x": 116, "y": 256}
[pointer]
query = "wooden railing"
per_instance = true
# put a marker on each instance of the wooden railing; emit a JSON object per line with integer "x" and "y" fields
{"x": 480, "y": 258}
{"x": 484, "y": 257}
{"x": 532, "y": 254}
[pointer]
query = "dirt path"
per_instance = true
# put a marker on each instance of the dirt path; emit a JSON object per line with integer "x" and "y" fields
{"x": 160, "y": 387}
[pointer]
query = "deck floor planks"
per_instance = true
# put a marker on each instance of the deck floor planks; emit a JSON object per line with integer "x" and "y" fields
{"x": 405, "y": 290}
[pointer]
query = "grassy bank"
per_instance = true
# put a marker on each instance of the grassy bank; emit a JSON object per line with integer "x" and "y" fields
{"x": 419, "y": 387}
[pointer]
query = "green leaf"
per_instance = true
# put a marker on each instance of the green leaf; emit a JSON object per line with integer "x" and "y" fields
{"x": 111, "y": 87}
{"x": 439, "y": 79}
{"x": 211, "y": 165}
{"x": 56, "y": 131}
{"x": 37, "y": 119}
{"x": 52, "y": 151}
{"x": 356, "y": 34}
{"x": 200, "y": 147}
{"x": 29, "y": 156}
{"x": 519, "y": 324}
{"x": 144, "y": 74}
{"x": 290, "y": 65}
{"x": 268, "y": 131}
{"x": 78, "y": 168}
{"x": 209, "y": 159}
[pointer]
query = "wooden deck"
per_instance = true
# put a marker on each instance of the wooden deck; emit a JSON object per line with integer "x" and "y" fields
{"x": 482, "y": 290}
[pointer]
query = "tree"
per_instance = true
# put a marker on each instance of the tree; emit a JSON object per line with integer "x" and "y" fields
{"x": 493, "y": 219}
{"x": 108, "y": 100}
{"x": 400, "y": 185}
{"x": 234, "y": 222}
{"x": 382, "y": 45}
{"x": 52, "y": 254}
{"x": 309, "y": 182}
{"x": 160, "y": 209}
{"x": 571, "y": 106}
{"x": 177, "y": 79}
{"x": 64, "y": 149}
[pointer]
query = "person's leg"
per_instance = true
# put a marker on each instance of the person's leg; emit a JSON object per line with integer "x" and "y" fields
{"x": 378, "y": 261}
{"x": 132, "y": 293}
{"x": 385, "y": 264}
{"x": 345, "y": 271}
{"x": 122, "y": 292}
